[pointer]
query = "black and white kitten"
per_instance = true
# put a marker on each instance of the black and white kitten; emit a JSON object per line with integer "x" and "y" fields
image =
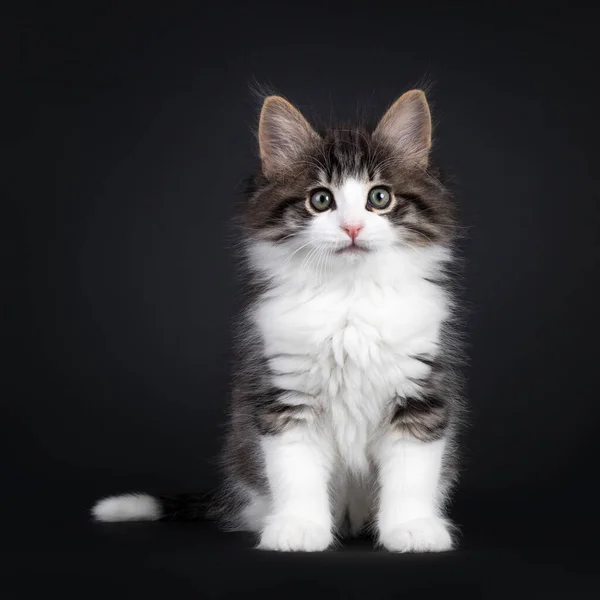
{"x": 347, "y": 394}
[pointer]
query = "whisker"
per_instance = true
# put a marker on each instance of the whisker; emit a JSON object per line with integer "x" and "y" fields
{"x": 295, "y": 251}
{"x": 323, "y": 264}
{"x": 408, "y": 228}
{"x": 305, "y": 261}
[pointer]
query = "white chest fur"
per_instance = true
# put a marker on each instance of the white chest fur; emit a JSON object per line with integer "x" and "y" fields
{"x": 346, "y": 345}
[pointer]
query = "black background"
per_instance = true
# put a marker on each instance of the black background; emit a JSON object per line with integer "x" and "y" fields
{"x": 128, "y": 132}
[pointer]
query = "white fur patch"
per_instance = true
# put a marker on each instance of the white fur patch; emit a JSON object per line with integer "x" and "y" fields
{"x": 347, "y": 344}
{"x": 128, "y": 507}
{"x": 341, "y": 333}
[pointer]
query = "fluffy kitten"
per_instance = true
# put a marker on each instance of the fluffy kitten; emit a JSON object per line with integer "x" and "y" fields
{"x": 347, "y": 394}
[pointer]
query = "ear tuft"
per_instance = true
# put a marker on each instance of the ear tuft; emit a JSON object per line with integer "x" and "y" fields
{"x": 406, "y": 127}
{"x": 283, "y": 135}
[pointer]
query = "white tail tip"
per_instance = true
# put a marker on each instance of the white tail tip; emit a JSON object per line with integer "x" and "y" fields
{"x": 128, "y": 507}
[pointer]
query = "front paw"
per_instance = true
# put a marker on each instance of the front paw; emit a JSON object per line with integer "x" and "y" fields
{"x": 419, "y": 535}
{"x": 294, "y": 534}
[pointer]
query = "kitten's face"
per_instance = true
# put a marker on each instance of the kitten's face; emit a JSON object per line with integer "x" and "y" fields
{"x": 348, "y": 193}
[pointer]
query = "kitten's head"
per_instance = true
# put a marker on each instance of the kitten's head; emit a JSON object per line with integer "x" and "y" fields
{"x": 352, "y": 192}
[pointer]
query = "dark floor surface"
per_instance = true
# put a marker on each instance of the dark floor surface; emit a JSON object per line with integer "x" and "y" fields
{"x": 536, "y": 555}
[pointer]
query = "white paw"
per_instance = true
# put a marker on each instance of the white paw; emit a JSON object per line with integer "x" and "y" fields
{"x": 419, "y": 535}
{"x": 294, "y": 534}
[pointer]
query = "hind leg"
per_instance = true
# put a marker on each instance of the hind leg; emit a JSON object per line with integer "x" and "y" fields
{"x": 255, "y": 512}
{"x": 360, "y": 502}
{"x": 339, "y": 490}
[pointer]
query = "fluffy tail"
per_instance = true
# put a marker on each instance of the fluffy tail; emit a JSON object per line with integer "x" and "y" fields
{"x": 143, "y": 507}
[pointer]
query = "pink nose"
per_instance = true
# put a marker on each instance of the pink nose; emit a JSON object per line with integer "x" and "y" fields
{"x": 352, "y": 230}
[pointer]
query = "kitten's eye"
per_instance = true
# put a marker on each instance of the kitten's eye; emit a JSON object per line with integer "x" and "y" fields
{"x": 379, "y": 198}
{"x": 321, "y": 200}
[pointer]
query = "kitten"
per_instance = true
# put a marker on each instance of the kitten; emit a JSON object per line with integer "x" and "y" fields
{"x": 347, "y": 395}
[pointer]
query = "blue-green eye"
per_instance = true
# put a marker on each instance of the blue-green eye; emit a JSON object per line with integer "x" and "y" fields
{"x": 321, "y": 200}
{"x": 379, "y": 198}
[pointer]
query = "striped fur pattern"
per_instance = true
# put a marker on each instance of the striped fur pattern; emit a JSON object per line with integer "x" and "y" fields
{"x": 347, "y": 397}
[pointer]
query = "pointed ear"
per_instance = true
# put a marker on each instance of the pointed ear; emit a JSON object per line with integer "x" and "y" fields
{"x": 283, "y": 135}
{"x": 406, "y": 127}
